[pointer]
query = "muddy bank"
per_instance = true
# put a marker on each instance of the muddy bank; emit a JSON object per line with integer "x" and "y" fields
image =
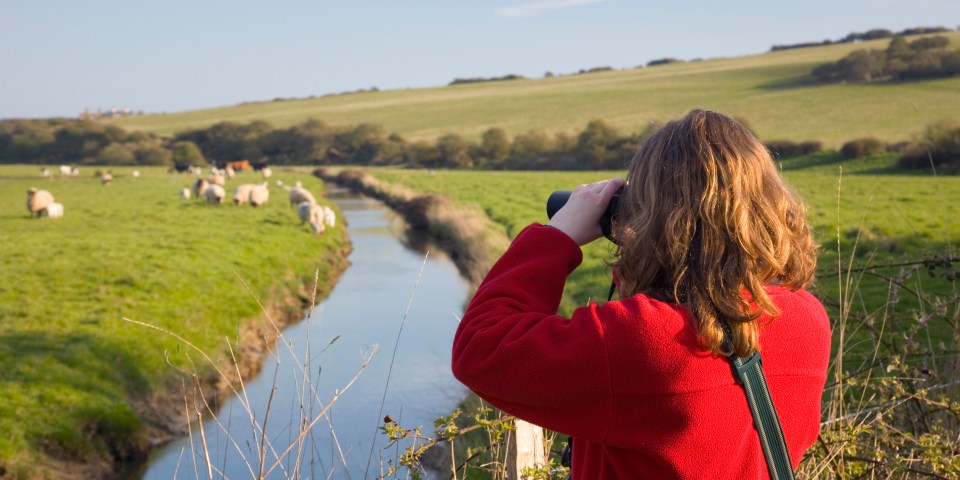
{"x": 466, "y": 234}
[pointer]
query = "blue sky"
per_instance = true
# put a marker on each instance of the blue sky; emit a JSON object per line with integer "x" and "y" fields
{"x": 59, "y": 57}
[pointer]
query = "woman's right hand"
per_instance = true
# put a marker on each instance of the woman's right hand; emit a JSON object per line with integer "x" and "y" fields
{"x": 580, "y": 216}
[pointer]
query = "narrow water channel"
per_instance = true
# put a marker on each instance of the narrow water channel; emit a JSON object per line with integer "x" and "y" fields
{"x": 366, "y": 308}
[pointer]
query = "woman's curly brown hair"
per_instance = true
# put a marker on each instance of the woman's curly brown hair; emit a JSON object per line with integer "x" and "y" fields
{"x": 706, "y": 221}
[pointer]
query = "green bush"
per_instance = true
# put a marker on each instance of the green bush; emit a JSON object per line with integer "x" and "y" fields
{"x": 788, "y": 148}
{"x": 937, "y": 147}
{"x": 862, "y": 147}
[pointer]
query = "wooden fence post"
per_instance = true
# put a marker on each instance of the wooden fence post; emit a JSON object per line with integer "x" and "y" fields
{"x": 524, "y": 448}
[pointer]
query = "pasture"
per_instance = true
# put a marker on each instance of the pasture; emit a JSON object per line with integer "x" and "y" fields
{"x": 890, "y": 398}
{"x": 74, "y": 372}
{"x": 771, "y": 91}
{"x": 863, "y": 213}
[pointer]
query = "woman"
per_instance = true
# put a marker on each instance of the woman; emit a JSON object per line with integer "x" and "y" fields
{"x": 707, "y": 232}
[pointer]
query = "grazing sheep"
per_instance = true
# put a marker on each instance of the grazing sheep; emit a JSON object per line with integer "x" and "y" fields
{"x": 214, "y": 194}
{"x": 136, "y": 174}
{"x": 200, "y": 186}
{"x": 38, "y": 200}
{"x": 266, "y": 172}
{"x": 229, "y": 171}
{"x": 329, "y": 217}
{"x": 259, "y": 194}
{"x": 185, "y": 193}
{"x": 299, "y": 195}
{"x": 312, "y": 213}
{"x": 65, "y": 170}
{"x": 196, "y": 170}
{"x": 75, "y": 172}
{"x": 241, "y": 194}
{"x": 54, "y": 210}
{"x": 217, "y": 179}
{"x": 45, "y": 172}
{"x": 106, "y": 178}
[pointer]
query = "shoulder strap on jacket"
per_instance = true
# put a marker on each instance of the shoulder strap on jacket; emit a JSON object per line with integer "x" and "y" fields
{"x": 748, "y": 372}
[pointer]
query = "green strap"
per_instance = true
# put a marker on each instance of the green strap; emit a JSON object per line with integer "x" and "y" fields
{"x": 749, "y": 372}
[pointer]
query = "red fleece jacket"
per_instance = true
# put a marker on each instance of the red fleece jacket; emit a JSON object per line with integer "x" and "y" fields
{"x": 628, "y": 379}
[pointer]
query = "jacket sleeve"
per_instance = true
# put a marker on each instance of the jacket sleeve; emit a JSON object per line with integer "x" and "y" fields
{"x": 514, "y": 351}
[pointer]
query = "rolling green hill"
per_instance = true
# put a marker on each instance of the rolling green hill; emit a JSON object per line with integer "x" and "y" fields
{"x": 772, "y": 91}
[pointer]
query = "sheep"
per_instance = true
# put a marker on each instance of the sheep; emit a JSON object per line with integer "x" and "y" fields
{"x": 266, "y": 172}
{"x": 229, "y": 171}
{"x": 54, "y": 210}
{"x": 259, "y": 194}
{"x": 106, "y": 178}
{"x": 214, "y": 194}
{"x": 299, "y": 195}
{"x": 185, "y": 193}
{"x": 38, "y": 200}
{"x": 329, "y": 217}
{"x": 217, "y": 179}
{"x": 241, "y": 194}
{"x": 136, "y": 174}
{"x": 312, "y": 213}
{"x": 45, "y": 172}
{"x": 200, "y": 186}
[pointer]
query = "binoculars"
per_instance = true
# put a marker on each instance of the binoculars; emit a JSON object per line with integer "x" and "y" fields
{"x": 558, "y": 199}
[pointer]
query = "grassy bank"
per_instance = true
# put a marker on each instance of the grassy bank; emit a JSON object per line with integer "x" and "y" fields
{"x": 84, "y": 389}
{"x": 770, "y": 90}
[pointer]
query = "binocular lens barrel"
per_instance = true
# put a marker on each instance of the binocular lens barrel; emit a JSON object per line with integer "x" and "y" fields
{"x": 559, "y": 198}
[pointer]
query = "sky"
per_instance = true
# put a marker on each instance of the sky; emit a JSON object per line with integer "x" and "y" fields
{"x": 58, "y": 58}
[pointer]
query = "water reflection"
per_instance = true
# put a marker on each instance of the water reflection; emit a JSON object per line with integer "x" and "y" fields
{"x": 323, "y": 353}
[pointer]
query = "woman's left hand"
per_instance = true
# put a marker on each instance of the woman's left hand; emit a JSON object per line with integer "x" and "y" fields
{"x": 580, "y": 216}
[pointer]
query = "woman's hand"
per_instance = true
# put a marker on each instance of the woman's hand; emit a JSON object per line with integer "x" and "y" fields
{"x": 580, "y": 216}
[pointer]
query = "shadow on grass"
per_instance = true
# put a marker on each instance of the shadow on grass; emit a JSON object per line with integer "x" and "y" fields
{"x": 71, "y": 378}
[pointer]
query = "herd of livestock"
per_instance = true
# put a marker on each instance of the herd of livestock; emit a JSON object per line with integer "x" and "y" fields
{"x": 211, "y": 189}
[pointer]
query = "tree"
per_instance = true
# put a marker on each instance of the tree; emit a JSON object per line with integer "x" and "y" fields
{"x": 153, "y": 155}
{"x": 187, "y": 152}
{"x": 494, "y": 145}
{"x": 116, "y": 154}
{"x": 453, "y": 150}
{"x": 594, "y": 142}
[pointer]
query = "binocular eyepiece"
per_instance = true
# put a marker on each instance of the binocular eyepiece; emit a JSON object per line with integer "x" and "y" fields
{"x": 558, "y": 199}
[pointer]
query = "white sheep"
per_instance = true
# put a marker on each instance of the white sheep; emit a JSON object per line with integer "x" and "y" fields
{"x": 185, "y": 193}
{"x": 200, "y": 186}
{"x": 312, "y": 213}
{"x": 229, "y": 171}
{"x": 259, "y": 194}
{"x": 54, "y": 210}
{"x": 66, "y": 170}
{"x": 299, "y": 195}
{"x": 106, "y": 178}
{"x": 38, "y": 200}
{"x": 214, "y": 194}
{"x": 329, "y": 216}
{"x": 241, "y": 194}
{"x": 217, "y": 179}
{"x": 45, "y": 172}
{"x": 266, "y": 172}
{"x": 136, "y": 174}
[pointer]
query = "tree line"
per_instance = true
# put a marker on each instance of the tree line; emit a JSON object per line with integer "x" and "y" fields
{"x": 873, "y": 34}
{"x": 926, "y": 57}
{"x": 598, "y": 146}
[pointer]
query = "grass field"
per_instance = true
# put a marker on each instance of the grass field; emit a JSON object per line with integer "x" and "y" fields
{"x": 135, "y": 249}
{"x": 890, "y": 401}
{"x": 769, "y": 90}
{"x": 900, "y": 216}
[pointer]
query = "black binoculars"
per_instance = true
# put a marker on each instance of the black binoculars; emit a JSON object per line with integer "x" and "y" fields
{"x": 558, "y": 199}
